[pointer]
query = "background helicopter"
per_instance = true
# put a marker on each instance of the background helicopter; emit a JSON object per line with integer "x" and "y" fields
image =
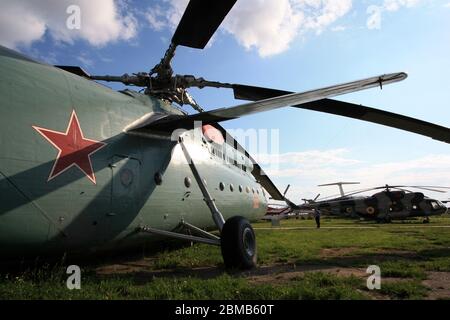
{"x": 85, "y": 169}
{"x": 391, "y": 203}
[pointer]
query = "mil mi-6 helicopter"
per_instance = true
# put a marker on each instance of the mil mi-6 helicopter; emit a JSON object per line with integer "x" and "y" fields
{"x": 387, "y": 204}
{"x": 85, "y": 169}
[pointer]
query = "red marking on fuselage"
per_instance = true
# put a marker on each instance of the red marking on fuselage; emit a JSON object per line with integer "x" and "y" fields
{"x": 213, "y": 134}
{"x": 73, "y": 148}
{"x": 256, "y": 201}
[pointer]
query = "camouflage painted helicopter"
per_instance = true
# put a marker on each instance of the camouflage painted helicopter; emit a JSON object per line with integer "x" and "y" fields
{"x": 85, "y": 169}
{"x": 391, "y": 203}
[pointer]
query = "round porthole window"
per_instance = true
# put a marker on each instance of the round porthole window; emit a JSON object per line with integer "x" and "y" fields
{"x": 126, "y": 177}
{"x": 187, "y": 182}
{"x": 231, "y": 187}
{"x": 221, "y": 186}
{"x": 240, "y": 188}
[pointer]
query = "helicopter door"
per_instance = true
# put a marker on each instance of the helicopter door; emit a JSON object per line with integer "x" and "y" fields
{"x": 124, "y": 191}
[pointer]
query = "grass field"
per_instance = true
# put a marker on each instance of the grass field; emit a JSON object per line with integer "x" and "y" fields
{"x": 296, "y": 261}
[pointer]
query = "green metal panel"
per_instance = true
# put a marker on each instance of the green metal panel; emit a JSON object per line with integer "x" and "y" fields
{"x": 76, "y": 214}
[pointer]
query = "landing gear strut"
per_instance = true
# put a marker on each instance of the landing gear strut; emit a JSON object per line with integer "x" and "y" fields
{"x": 237, "y": 238}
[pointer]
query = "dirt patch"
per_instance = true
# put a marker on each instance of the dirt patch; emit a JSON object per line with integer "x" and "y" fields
{"x": 142, "y": 271}
{"x": 125, "y": 267}
{"x": 283, "y": 273}
{"x": 337, "y": 252}
{"x": 439, "y": 284}
{"x": 396, "y": 253}
{"x": 278, "y": 274}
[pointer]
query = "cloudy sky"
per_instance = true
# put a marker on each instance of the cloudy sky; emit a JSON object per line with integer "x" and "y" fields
{"x": 287, "y": 44}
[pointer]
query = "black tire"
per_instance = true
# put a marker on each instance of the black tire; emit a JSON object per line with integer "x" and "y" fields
{"x": 238, "y": 244}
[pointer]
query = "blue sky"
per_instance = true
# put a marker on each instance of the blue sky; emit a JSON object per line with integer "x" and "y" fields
{"x": 287, "y": 44}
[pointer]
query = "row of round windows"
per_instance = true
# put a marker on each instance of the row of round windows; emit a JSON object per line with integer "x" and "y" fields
{"x": 241, "y": 188}
{"x": 187, "y": 183}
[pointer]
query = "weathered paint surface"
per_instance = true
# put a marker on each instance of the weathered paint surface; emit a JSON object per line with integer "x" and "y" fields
{"x": 71, "y": 213}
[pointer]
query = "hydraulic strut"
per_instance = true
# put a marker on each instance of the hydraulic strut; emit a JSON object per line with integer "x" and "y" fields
{"x": 210, "y": 202}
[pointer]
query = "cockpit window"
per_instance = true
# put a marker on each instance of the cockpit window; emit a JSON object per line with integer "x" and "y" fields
{"x": 435, "y": 205}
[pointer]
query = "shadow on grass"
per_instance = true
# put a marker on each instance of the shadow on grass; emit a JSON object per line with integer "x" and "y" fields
{"x": 144, "y": 274}
{"x": 137, "y": 267}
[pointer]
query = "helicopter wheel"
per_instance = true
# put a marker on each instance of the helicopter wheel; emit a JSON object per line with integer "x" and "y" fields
{"x": 238, "y": 244}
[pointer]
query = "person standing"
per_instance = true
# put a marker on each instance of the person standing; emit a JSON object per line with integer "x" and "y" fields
{"x": 317, "y": 217}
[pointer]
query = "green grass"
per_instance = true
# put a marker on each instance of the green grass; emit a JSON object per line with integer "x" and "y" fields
{"x": 404, "y": 253}
{"x": 402, "y": 269}
{"x": 410, "y": 289}
{"x": 311, "y": 286}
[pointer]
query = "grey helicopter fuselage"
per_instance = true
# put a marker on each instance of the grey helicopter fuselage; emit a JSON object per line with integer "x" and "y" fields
{"x": 56, "y": 197}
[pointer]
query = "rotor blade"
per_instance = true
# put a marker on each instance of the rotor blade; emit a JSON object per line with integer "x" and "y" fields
{"x": 338, "y": 196}
{"x": 287, "y": 189}
{"x": 259, "y": 174}
{"x": 436, "y": 187}
{"x": 401, "y": 189}
{"x": 351, "y": 110}
{"x": 200, "y": 21}
{"x": 429, "y": 189}
{"x": 385, "y": 118}
{"x": 224, "y": 114}
{"x": 337, "y": 183}
{"x": 75, "y": 70}
{"x": 264, "y": 180}
{"x": 251, "y": 93}
{"x": 352, "y": 193}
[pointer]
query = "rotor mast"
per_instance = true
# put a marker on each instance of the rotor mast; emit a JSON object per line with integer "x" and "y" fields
{"x": 198, "y": 24}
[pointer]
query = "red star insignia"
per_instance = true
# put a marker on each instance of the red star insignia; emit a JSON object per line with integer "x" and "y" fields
{"x": 73, "y": 149}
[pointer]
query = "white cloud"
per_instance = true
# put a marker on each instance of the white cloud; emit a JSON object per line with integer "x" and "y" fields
{"x": 375, "y": 12}
{"x": 339, "y": 28}
{"x": 85, "y": 60}
{"x": 166, "y": 15}
{"x": 269, "y": 26}
{"x": 394, "y": 5}
{"x": 305, "y": 160}
{"x": 102, "y": 21}
{"x": 305, "y": 170}
{"x": 374, "y": 20}
{"x": 154, "y": 18}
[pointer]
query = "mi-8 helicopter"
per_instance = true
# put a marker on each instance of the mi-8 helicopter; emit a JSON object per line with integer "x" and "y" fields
{"x": 387, "y": 204}
{"x": 87, "y": 169}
